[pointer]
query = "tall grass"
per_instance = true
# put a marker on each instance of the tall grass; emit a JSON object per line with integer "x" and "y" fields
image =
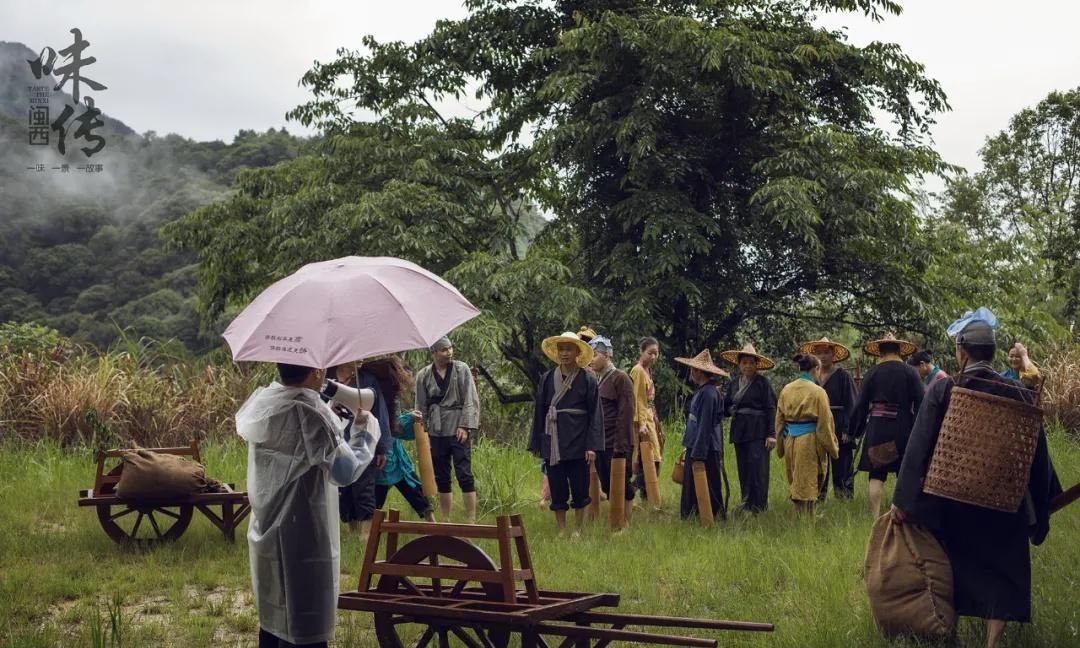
{"x": 118, "y": 398}
{"x": 64, "y": 583}
{"x": 1062, "y": 387}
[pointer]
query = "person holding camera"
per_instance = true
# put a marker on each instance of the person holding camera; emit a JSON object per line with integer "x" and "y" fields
{"x": 297, "y": 457}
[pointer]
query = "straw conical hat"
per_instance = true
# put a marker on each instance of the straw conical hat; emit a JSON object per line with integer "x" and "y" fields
{"x": 551, "y": 348}
{"x": 732, "y": 356}
{"x": 586, "y": 333}
{"x": 840, "y": 352}
{"x": 704, "y": 362}
{"x": 874, "y": 347}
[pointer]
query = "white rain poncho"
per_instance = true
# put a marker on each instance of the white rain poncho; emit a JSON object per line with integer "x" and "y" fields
{"x": 296, "y": 458}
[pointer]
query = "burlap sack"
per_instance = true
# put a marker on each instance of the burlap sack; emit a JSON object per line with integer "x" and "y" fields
{"x": 149, "y": 475}
{"x": 909, "y": 580}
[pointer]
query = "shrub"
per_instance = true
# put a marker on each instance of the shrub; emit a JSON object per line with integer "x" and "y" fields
{"x": 1061, "y": 391}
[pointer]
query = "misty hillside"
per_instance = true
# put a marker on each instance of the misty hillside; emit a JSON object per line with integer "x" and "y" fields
{"x": 80, "y": 251}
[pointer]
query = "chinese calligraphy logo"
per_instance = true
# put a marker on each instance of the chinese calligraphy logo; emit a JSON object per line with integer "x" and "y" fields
{"x": 70, "y": 70}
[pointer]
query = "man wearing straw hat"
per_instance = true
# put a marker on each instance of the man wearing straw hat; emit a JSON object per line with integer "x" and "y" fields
{"x": 988, "y": 549}
{"x": 617, "y": 406}
{"x": 888, "y": 400}
{"x": 751, "y": 403}
{"x": 704, "y": 440}
{"x": 568, "y": 426}
{"x": 840, "y": 388}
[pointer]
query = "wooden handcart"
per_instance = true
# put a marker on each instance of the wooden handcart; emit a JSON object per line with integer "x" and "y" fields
{"x": 440, "y": 585}
{"x": 145, "y": 523}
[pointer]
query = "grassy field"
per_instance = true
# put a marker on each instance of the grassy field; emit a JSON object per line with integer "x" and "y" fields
{"x": 64, "y": 583}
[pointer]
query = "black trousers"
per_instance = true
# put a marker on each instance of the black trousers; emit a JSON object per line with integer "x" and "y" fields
{"x": 357, "y": 502}
{"x": 842, "y": 474}
{"x": 447, "y": 449}
{"x": 414, "y": 495}
{"x": 603, "y": 471}
{"x": 688, "y": 504}
{"x": 752, "y": 461}
{"x": 267, "y": 640}
{"x": 569, "y": 479}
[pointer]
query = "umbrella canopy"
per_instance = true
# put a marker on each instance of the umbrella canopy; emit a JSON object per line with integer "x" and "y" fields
{"x": 337, "y": 311}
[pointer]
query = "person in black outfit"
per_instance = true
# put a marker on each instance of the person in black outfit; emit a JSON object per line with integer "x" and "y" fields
{"x": 751, "y": 403}
{"x": 889, "y": 398}
{"x": 988, "y": 549}
{"x": 568, "y": 426}
{"x": 704, "y": 438}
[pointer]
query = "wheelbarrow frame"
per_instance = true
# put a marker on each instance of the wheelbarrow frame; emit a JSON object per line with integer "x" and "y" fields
{"x": 232, "y": 506}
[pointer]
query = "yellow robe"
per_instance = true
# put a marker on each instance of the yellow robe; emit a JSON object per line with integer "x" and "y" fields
{"x": 644, "y": 414}
{"x": 806, "y": 456}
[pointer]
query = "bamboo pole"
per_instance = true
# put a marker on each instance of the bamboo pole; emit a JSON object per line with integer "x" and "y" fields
{"x": 648, "y": 464}
{"x": 701, "y": 489}
{"x": 423, "y": 457}
{"x": 617, "y": 494}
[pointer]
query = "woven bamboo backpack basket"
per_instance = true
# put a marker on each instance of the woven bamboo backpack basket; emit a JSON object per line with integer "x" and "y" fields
{"x": 985, "y": 449}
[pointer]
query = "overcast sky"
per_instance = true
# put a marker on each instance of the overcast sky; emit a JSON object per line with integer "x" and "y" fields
{"x": 207, "y": 68}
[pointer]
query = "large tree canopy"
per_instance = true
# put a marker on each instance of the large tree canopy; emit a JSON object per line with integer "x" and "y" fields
{"x": 1008, "y": 236}
{"x": 713, "y": 167}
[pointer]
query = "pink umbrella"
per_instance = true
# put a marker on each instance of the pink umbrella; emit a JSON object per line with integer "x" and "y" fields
{"x": 333, "y": 312}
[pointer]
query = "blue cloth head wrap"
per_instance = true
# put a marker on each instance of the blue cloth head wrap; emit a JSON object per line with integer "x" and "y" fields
{"x": 601, "y": 344}
{"x": 975, "y": 327}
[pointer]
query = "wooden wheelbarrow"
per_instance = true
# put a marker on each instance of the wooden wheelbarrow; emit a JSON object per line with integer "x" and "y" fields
{"x": 148, "y": 522}
{"x": 441, "y": 585}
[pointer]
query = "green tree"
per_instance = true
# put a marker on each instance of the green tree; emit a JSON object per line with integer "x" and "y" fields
{"x": 1031, "y": 188}
{"x": 715, "y": 167}
{"x": 719, "y": 161}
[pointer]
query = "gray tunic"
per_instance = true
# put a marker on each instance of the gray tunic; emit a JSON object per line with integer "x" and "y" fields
{"x": 458, "y": 407}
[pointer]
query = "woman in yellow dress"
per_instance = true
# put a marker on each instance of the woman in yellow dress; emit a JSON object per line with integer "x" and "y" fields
{"x": 804, "y": 426}
{"x": 650, "y": 436}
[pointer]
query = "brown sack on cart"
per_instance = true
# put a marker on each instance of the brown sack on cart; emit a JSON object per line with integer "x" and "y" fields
{"x": 149, "y": 475}
{"x": 909, "y": 580}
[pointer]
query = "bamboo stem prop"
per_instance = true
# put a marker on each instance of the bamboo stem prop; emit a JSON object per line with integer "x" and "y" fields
{"x": 648, "y": 464}
{"x": 1064, "y": 499}
{"x": 592, "y": 511}
{"x": 423, "y": 457}
{"x": 701, "y": 489}
{"x": 617, "y": 494}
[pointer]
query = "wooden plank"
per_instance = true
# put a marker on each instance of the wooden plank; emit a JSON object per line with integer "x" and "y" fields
{"x": 671, "y": 622}
{"x": 443, "y": 571}
{"x": 491, "y": 606}
{"x": 543, "y": 597}
{"x": 424, "y": 612}
{"x": 476, "y": 531}
{"x": 506, "y": 559}
{"x": 189, "y": 500}
{"x": 565, "y": 608}
{"x": 371, "y": 551}
{"x": 391, "y": 535}
{"x": 1064, "y": 499}
{"x": 632, "y": 636}
{"x": 522, "y": 544}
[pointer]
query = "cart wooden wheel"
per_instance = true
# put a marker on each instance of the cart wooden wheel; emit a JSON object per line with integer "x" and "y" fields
{"x": 443, "y": 551}
{"x": 143, "y": 525}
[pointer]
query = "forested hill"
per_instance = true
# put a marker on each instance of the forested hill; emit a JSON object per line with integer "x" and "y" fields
{"x": 79, "y": 251}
